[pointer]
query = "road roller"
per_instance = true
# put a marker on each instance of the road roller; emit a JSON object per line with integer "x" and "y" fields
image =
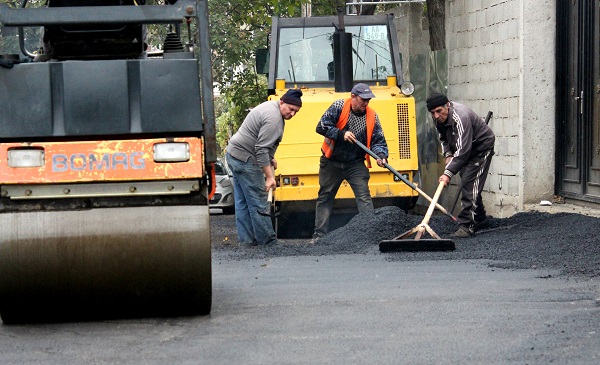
{"x": 107, "y": 151}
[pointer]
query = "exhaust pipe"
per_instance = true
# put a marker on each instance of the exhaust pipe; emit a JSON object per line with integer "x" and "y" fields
{"x": 342, "y": 58}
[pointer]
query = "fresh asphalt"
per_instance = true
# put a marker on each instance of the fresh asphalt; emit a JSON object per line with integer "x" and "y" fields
{"x": 283, "y": 305}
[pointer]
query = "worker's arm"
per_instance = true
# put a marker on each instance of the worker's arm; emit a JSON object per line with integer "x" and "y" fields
{"x": 327, "y": 124}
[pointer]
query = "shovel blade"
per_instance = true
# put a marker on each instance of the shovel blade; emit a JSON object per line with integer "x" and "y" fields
{"x": 417, "y": 245}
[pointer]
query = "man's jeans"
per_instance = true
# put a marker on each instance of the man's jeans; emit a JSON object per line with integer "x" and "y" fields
{"x": 250, "y": 198}
{"x": 331, "y": 175}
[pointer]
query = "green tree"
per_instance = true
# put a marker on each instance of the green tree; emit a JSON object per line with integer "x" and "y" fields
{"x": 238, "y": 28}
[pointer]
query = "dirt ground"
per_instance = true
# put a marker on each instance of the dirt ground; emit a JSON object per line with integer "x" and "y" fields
{"x": 567, "y": 242}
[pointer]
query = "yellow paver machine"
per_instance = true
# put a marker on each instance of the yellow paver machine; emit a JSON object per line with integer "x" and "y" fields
{"x": 325, "y": 56}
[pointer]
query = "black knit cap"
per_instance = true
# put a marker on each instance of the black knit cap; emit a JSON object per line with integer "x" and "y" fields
{"x": 436, "y": 99}
{"x": 292, "y": 96}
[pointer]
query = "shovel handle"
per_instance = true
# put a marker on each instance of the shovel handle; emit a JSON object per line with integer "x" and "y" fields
{"x": 437, "y": 205}
{"x": 406, "y": 181}
{"x": 270, "y": 194}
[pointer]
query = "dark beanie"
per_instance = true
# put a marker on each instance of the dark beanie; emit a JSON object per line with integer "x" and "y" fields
{"x": 435, "y": 100}
{"x": 292, "y": 96}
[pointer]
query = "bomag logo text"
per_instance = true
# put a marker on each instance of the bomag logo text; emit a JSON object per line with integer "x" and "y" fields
{"x": 108, "y": 161}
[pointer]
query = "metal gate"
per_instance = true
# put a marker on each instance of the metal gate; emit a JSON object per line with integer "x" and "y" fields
{"x": 578, "y": 100}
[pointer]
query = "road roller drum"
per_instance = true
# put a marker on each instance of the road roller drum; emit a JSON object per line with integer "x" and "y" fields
{"x": 109, "y": 262}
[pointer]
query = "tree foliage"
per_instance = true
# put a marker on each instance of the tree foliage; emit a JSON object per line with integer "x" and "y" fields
{"x": 238, "y": 28}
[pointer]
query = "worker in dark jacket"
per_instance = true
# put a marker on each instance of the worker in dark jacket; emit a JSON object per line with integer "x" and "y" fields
{"x": 342, "y": 124}
{"x": 468, "y": 147}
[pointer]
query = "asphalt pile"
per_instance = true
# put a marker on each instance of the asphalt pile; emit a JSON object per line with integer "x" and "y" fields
{"x": 566, "y": 242}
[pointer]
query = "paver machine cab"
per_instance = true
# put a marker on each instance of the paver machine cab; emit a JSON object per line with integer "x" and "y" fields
{"x": 325, "y": 56}
{"x": 105, "y": 163}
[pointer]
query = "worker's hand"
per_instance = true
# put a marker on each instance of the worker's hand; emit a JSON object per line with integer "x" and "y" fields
{"x": 270, "y": 183}
{"x": 274, "y": 164}
{"x": 381, "y": 162}
{"x": 448, "y": 159}
{"x": 445, "y": 179}
{"x": 349, "y": 137}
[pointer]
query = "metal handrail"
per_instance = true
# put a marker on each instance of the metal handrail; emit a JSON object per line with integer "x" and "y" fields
{"x": 348, "y": 5}
{"x": 147, "y": 14}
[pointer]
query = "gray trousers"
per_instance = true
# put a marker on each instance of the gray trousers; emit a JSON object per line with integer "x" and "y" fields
{"x": 472, "y": 180}
{"x": 331, "y": 175}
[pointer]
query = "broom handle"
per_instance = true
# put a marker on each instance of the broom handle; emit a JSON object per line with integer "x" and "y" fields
{"x": 432, "y": 206}
{"x": 406, "y": 181}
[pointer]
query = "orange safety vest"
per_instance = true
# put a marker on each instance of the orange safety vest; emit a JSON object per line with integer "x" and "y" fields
{"x": 328, "y": 144}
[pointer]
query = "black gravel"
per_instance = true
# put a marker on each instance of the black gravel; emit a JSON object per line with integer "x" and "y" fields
{"x": 566, "y": 242}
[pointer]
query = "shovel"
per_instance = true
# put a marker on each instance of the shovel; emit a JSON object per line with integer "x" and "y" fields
{"x": 269, "y": 212}
{"x": 401, "y": 243}
{"x": 413, "y": 186}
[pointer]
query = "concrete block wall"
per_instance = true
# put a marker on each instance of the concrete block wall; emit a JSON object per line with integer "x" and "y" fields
{"x": 538, "y": 95}
{"x": 501, "y": 58}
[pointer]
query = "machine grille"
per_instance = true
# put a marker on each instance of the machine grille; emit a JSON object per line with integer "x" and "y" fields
{"x": 403, "y": 132}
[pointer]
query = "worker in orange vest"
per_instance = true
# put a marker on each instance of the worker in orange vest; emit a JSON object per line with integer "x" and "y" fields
{"x": 342, "y": 124}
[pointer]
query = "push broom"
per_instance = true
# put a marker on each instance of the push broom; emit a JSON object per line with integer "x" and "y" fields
{"x": 402, "y": 243}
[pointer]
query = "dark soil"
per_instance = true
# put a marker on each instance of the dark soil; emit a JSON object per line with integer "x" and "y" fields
{"x": 564, "y": 241}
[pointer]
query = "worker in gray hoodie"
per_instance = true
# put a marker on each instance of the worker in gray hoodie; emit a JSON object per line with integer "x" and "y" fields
{"x": 251, "y": 158}
{"x": 468, "y": 147}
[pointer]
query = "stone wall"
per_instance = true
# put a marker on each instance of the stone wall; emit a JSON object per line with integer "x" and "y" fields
{"x": 501, "y": 57}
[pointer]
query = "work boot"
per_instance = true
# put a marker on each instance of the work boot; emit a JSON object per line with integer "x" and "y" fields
{"x": 485, "y": 223}
{"x": 275, "y": 242}
{"x": 314, "y": 240}
{"x": 462, "y": 232}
